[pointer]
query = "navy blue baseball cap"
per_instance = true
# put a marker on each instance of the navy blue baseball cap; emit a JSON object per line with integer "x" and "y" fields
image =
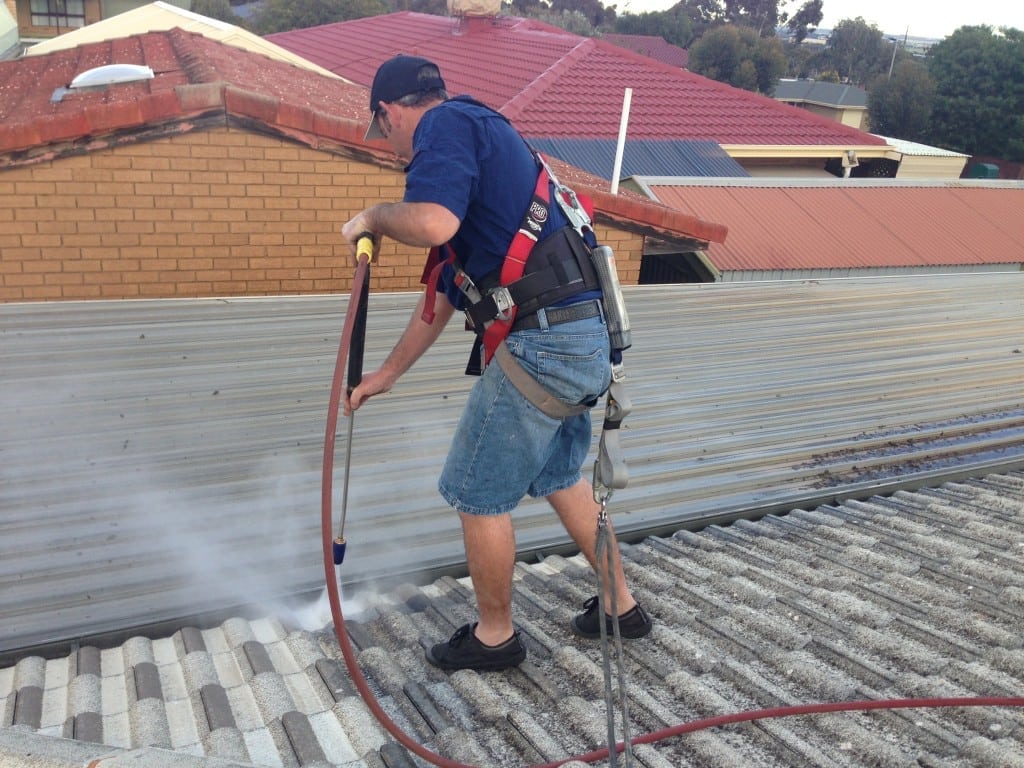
{"x": 398, "y": 77}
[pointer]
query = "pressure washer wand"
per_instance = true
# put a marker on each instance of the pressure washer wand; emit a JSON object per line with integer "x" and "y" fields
{"x": 353, "y": 340}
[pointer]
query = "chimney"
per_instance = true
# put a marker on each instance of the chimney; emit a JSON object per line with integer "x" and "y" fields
{"x": 474, "y": 8}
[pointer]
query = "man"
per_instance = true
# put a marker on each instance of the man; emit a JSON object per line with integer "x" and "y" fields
{"x": 470, "y": 178}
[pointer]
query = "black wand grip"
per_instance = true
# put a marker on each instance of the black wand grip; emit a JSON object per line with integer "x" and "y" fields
{"x": 358, "y": 343}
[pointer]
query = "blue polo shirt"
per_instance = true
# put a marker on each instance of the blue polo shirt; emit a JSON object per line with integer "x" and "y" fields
{"x": 470, "y": 160}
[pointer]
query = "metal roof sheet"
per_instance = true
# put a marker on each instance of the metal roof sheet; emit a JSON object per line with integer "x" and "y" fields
{"x": 642, "y": 157}
{"x": 552, "y": 83}
{"x": 837, "y": 227}
{"x": 911, "y": 596}
{"x": 919, "y": 150}
{"x": 163, "y": 458}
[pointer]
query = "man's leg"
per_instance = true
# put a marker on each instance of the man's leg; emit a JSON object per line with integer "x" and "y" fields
{"x": 578, "y": 512}
{"x": 490, "y": 554}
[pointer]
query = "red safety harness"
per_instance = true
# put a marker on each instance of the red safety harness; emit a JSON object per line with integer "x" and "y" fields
{"x": 511, "y": 270}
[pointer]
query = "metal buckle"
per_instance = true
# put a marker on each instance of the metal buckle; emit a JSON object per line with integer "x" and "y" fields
{"x": 467, "y": 286}
{"x": 504, "y": 302}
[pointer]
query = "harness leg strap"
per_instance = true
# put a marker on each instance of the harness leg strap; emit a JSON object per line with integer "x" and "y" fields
{"x": 531, "y": 389}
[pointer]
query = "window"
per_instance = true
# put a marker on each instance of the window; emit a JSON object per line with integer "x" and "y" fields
{"x": 58, "y": 13}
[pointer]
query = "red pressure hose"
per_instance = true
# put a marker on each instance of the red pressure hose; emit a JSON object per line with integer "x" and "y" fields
{"x": 351, "y": 662}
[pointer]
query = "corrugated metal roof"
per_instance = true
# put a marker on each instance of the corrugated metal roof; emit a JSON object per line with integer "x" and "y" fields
{"x": 642, "y": 157}
{"x": 919, "y": 150}
{"x": 163, "y": 458}
{"x": 917, "y": 595}
{"x": 159, "y": 16}
{"x": 840, "y": 227}
{"x": 552, "y": 83}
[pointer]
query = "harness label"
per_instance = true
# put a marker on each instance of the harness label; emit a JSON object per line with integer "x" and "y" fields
{"x": 538, "y": 213}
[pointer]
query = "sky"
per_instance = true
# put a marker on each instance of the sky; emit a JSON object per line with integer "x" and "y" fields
{"x": 924, "y": 18}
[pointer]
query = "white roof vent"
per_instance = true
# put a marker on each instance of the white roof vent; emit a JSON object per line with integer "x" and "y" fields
{"x": 110, "y": 74}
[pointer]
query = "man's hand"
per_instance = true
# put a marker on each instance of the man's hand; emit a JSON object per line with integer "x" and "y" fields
{"x": 358, "y": 225}
{"x": 371, "y": 384}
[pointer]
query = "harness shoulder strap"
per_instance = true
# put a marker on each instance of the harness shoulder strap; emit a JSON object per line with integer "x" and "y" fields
{"x": 515, "y": 260}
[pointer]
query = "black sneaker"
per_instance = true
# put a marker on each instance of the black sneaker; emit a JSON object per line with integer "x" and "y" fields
{"x": 632, "y": 624}
{"x": 465, "y": 651}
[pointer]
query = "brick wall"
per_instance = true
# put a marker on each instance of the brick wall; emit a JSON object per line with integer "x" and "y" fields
{"x": 223, "y": 212}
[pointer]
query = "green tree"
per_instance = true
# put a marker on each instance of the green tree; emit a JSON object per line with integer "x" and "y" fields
{"x": 805, "y": 20}
{"x": 979, "y": 99}
{"x": 433, "y": 7}
{"x": 217, "y": 9}
{"x": 740, "y": 57}
{"x": 760, "y": 15}
{"x": 282, "y": 15}
{"x": 901, "y": 106}
{"x": 858, "y": 51}
{"x": 596, "y": 13}
{"x": 673, "y": 25}
{"x": 571, "y": 21}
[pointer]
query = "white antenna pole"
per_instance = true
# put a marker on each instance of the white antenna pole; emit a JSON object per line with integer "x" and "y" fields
{"x": 622, "y": 140}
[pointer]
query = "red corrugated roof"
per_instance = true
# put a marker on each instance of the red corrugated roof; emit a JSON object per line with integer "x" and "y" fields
{"x": 775, "y": 227}
{"x": 555, "y": 84}
{"x": 196, "y": 77}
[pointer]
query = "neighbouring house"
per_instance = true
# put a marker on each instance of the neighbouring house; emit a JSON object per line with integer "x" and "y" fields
{"x": 43, "y": 19}
{"x": 160, "y": 15}
{"x": 921, "y": 161}
{"x": 213, "y": 170}
{"x": 9, "y": 39}
{"x": 846, "y": 104}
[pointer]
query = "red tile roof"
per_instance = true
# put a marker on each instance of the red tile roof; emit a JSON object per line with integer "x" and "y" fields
{"x": 652, "y": 46}
{"x": 196, "y": 77}
{"x": 858, "y": 224}
{"x": 193, "y": 75}
{"x": 555, "y": 84}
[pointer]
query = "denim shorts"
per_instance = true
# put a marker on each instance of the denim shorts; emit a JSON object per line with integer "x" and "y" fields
{"x": 504, "y": 447}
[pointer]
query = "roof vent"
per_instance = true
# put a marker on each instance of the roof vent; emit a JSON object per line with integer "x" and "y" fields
{"x": 111, "y": 74}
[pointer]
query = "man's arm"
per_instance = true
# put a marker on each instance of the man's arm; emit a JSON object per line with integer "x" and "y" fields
{"x": 418, "y": 224}
{"x": 416, "y": 339}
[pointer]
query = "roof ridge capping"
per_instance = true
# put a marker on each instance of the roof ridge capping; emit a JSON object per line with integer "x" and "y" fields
{"x": 514, "y": 106}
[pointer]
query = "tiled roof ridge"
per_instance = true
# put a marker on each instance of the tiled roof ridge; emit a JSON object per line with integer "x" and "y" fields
{"x": 515, "y": 106}
{"x": 195, "y": 67}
